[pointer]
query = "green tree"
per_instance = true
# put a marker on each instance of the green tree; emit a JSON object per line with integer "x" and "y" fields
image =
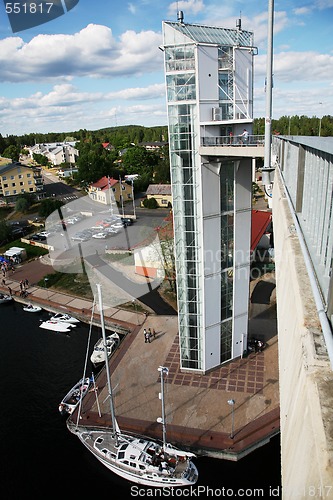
{"x": 137, "y": 160}
{"x": 94, "y": 162}
{"x": 162, "y": 169}
{"x": 150, "y": 203}
{"x": 41, "y": 159}
{"x": 48, "y": 206}
{"x": 12, "y": 152}
{"x": 22, "y": 205}
{"x": 5, "y": 232}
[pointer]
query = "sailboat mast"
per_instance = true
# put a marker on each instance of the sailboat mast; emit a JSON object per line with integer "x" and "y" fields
{"x": 113, "y": 416}
{"x": 163, "y": 371}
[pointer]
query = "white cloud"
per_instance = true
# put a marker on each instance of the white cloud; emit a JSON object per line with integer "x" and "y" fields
{"x": 68, "y": 108}
{"x": 188, "y": 6}
{"x": 91, "y": 52}
{"x": 291, "y": 66}
{"x": 150, "y": 92}
{"x": 68, "y": 95}
{"x": 300, "y": 11}
{"x": 132, "y": 8}
{"x": 324, "y": 4}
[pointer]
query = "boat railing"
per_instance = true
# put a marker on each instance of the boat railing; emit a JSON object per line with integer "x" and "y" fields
{"x": 234, "y": 140}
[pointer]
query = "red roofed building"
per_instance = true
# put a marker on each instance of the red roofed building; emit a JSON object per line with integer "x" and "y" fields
{"x": 102, "y": 190}
{"x": 261, "y": 231}
{"x": 108, "y": 146}
{"x": 260, "y": 222}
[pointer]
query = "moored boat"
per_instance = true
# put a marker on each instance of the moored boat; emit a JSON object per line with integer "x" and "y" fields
{"x": 98, "y": 356}
{"x": 5, "y": 298}
{"x": 56, "y": 326}
{"x": 31, "y": 308}
{"x": 72, "y": 398}
{"x": 65, "y": 318}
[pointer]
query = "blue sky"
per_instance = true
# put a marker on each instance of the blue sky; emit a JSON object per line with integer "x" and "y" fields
{"x": 99, "y": 65}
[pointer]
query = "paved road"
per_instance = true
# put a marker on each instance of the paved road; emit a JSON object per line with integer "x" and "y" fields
{"x": 152, "y": 299}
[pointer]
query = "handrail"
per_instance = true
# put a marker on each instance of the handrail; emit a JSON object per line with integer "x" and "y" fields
{"x": 233, "y": 141}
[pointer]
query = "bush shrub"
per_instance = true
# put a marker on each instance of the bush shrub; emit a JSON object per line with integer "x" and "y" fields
{"x": 150, "y": 203}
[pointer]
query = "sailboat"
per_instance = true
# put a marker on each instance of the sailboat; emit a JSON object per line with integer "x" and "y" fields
{"x": 138, "y": 459}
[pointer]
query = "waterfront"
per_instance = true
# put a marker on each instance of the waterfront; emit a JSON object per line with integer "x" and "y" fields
{"x": 37, "y": 367}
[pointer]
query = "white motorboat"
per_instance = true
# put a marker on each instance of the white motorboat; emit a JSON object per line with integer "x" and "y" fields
{"x": 98, "y": 356}
{"x": 31, "y": 308}
{"x": 5, "y": 298}
{"x": 138, "y": 459}
{"x": 72, "y": 398}
{"x": 65, "y": 318}
{"x": 56, "y": 326}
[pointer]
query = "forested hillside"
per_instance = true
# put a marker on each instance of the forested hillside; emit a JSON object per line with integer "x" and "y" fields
{"x": 121, "y": 137}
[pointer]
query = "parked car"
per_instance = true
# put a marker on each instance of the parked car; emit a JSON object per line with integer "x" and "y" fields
{"x": 37, "y": 237}
{"x": 111, "y": 231}
{"x": 117, "y": 224}
{"x": 45, "y": 233}
{"x": 100, "y": 225}
{"x": 127, "y": 220}
{"x": 100, "y": 236}
{"x": 81, "y": 237}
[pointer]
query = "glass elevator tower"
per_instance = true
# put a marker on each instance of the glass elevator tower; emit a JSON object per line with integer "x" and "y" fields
{"x": 209, "y": 85}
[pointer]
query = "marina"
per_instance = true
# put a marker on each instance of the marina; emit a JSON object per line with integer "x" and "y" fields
{"x": 35, "y": 439}
{"x": 251, "y": 381}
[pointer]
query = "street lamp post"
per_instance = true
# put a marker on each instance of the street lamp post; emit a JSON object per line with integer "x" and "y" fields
{"x": 133, "y": 199}
{"x": 45, "y": 284}
{"x": 231, "y": 402}
{"x": 319, "y": 132}
{"x": 136, "y": 311}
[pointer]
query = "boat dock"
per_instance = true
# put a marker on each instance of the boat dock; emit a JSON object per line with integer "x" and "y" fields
{"x": 199, "y": 415}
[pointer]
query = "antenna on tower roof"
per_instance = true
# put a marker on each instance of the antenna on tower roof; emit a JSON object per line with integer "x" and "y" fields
{"x": 239, "y": 21}
{"x": 180, "y": 16}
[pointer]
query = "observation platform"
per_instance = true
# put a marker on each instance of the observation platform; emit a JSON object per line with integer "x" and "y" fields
{"x": 233, "y": 147}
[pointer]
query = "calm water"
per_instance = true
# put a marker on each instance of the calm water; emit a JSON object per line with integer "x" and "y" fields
{"x": 37, "y": 367}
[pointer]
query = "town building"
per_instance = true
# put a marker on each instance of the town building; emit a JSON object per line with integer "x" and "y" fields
{"x": 209, "y": 85}
{"x": 57, "y": 153}
{"x": 16, "y": 179}
{"x": 108, "y": 190}
{"x": 161, "y": 193}
{"x": 153, "y": 146}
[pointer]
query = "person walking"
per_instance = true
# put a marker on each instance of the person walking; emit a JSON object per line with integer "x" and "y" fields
{"x": 147, "y": 338}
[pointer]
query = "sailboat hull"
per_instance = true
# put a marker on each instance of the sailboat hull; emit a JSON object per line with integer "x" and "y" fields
{"x": 133, "y": 459}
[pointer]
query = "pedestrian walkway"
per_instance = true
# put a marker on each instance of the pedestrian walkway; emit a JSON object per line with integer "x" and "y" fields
{"x": 34, "y": 271}
{"x": 198, "y": 411}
